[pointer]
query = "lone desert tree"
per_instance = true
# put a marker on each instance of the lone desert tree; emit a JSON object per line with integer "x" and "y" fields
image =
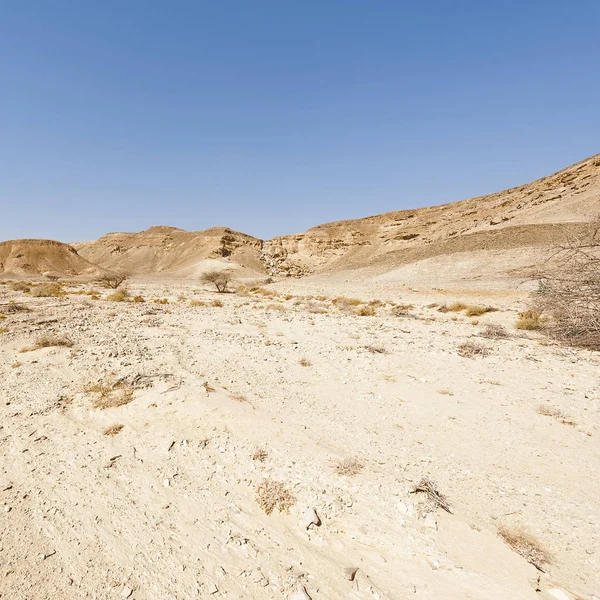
{"x": 220, "y": 279}
{"x": 569, "y": 289}
{"x": 112, "y": 280}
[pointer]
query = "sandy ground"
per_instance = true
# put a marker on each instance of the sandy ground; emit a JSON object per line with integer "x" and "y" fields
{"x": 282, "y": 390}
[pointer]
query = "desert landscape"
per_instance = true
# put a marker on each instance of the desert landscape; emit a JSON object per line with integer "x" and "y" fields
{"x": 372, "y": 409}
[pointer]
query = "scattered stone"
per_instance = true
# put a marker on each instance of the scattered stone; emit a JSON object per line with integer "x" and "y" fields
{"x": 126, "y": 592}
{"x": 311, "y": 517}
{"x": 212, "y": 588}
{"x": 166, "y": 482}
{"x": 430, "y": 521}
{"x": 350, "y": 573}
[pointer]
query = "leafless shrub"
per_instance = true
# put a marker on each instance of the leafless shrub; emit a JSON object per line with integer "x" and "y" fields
{"x": 526, "y": 545}
{"x": 220, "y": 279}
{"x": 349, "y": 467}
{"x": 495, "y": 331}
{"x": 13, "y": 307}
{"x": 366, "y": 311}
{"x": 529, "y": 320}
{"x": 434, "y": 497}
{"x": 112, "y": 280}
{"x": 49, "y": 341}
{"x": 569, "y": 289}
{"x": 260, "y": 455}
{"x": 120, "y": 295}
{"x": 472, "y": 349}
{"x": 555, "y": 413}
{"x": 271, "y": 495}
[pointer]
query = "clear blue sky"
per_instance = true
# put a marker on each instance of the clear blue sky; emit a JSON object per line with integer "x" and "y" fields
{"x": 270, "y": 116}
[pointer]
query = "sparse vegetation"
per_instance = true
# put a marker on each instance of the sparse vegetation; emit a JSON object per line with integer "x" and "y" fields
{"x": 112, "y": 280}
{"x": 138, "y": 299}
{"x": 260, "y": 454}
{"x": 216, "y": 303}
{"x": 529, "y": 320}
{"x": 526, "y": 545}
{"x": 376, "y": 349}
{"x": 366, "y": 311}
{"x": 21, "y": 286}
{"x": 456, "y": 306}
{"x": 49, "y": 341}
{"x": 197, "y": 303}
{"x": 472, "y": 349}
{"x": 555, "y": 413}
{"x": 113, "y": 429}
{"x": 47, "y": 290}
{"x": 13, "y": 307}
{"x": 109, "y": 394}
{"x": 220, "y": 279}
{"x": 271, "y": 495}
{"x": 161, "y": 301}
{"x": 121, "y": 295}
{"x": 495, "y": 331}
{"x": 304, "y": 362}
{"x": 349, "y": 467}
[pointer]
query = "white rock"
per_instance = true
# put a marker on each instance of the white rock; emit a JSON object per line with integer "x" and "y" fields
{"x": 430, "y": 522}
{"x": 558, "y": 594}
{"x": 350, "y": 573}
{"x": 126, "y": 592}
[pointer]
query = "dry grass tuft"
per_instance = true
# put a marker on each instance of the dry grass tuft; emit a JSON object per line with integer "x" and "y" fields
{"x": 349, "y": 467}
{"x": 271, "y": 495}
{"x": 304, "y": 362}
{"x": 555, "y": 413}
{"x": 21, "y": 286}
{"x": 366, "y": 311}
{"x": 376, "y": 349}
{"x": 526, "y": 545}
{"x": 445, "y": 392}
{"x": 113, "y": 429}
{"x": 109, "y": 394}
{"x": 216, "y": 303}
{"x": 197, "y": 303}
{"x": 456, "y": 306}
{"x": 47, "y": 290}
{"x": 13, "y": 307}
{"x": 49, "y": 341}
{"x": 529, "y": 320}
{"x": 119, "y": 296}
{"x": 476, "y": 311}
{"x": 472, "y": 349}
{"x": 279, "y": 307}
{"x": 138, "y": 299}
{"x": 434, "y": 497}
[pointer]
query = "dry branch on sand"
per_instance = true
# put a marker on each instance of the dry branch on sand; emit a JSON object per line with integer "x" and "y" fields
{"x": 434, "y": 498}
{"x": 472, "y": 349}
{"x": 349, "y": 467}
{"x": 526, "y": 545}
{"x": 110, "y": 394}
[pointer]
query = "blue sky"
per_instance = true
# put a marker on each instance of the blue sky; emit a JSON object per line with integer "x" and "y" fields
{"x": 271, "y": 116}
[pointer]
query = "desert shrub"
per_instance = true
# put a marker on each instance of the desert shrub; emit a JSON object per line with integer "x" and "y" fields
{"x": 197, "y": 303}
{"x": 161, "y": 301}
{"x": 569, "y": 290}
{"x": 260, "y": 454}
{"x": 13, "y": 307}
{"x": 366, "y": 311}
{"x": 49, "y": 341}
{"x": 279, "y": 307}
{"x": 21, "y": 286}
{"x": 216, "y": 303}
{"x": 349, "y": 467}
{"x": 220, "y": 279}
{"x": 529, "y": 320}
{"x": 472, "y": 349}
{"x": 526, "y": 545}
{"x": 271, "y": 495}
{"x": 112, "y": 280}
{"x": 495, "y": 331}
{"x": 344, "y": 302}
{"x": 475, "y": 311}
{"x": 304, "y": 362}
{"x": 457, "y": 306}
{"x": 113, "y": 429}
{"x": 138, "y": 299}
{"x": 120, "y": 295}
{"x": 47, "y": 290}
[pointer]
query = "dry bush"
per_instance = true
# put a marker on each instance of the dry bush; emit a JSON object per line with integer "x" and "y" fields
{"x": 526, "y": 545}
{"x": 349, "y": 467}
{"x": 402, "y": 310}
{"x": 260, "y": 455}
{"x": 457, "y": 306}
{"x": 13, "y": 307}
{"x": 314, "y": 308}
{"x": 197, "y": 303}
{"x": 21, "y": 286}
{"x": 304, "y": 362}
{"x": 220, "y": 279}
{"x": 109, "y": 394}
{"x": 279, "y": 307}
{"x": 47, "y": 290}
{"x": 49, "y": 341}
{"x": 120, "y": 295}
{"x": 271, "y": 495}
{"x": 376, "y": 349}
{"x": 435, "y": 498}
{"x": 216, "y": 303}
{"x": 495, "y": 331}
{"x": 366, "y": 311}
{"x": 443, "y": 308}
{"x": 555, "y": 413}
{"x": 113, "y": 429}
{"x": 344, "y": 302}
{"x": 161, "y": 301}
{"x": 112, "y": 280}
{"x": 473, "y": 310}
{"x": 529, "y": 320}
{"x": 569, "y": 290}
{"x": 445, "y": 392}
{"x": 472, "y": 349}
{"x": 138, "y": 299}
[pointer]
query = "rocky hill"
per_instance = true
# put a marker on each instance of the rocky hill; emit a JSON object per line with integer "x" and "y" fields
{"x": 38, "y": 257}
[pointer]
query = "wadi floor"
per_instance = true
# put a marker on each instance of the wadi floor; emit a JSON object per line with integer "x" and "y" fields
{"x": 301, "y": 404}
